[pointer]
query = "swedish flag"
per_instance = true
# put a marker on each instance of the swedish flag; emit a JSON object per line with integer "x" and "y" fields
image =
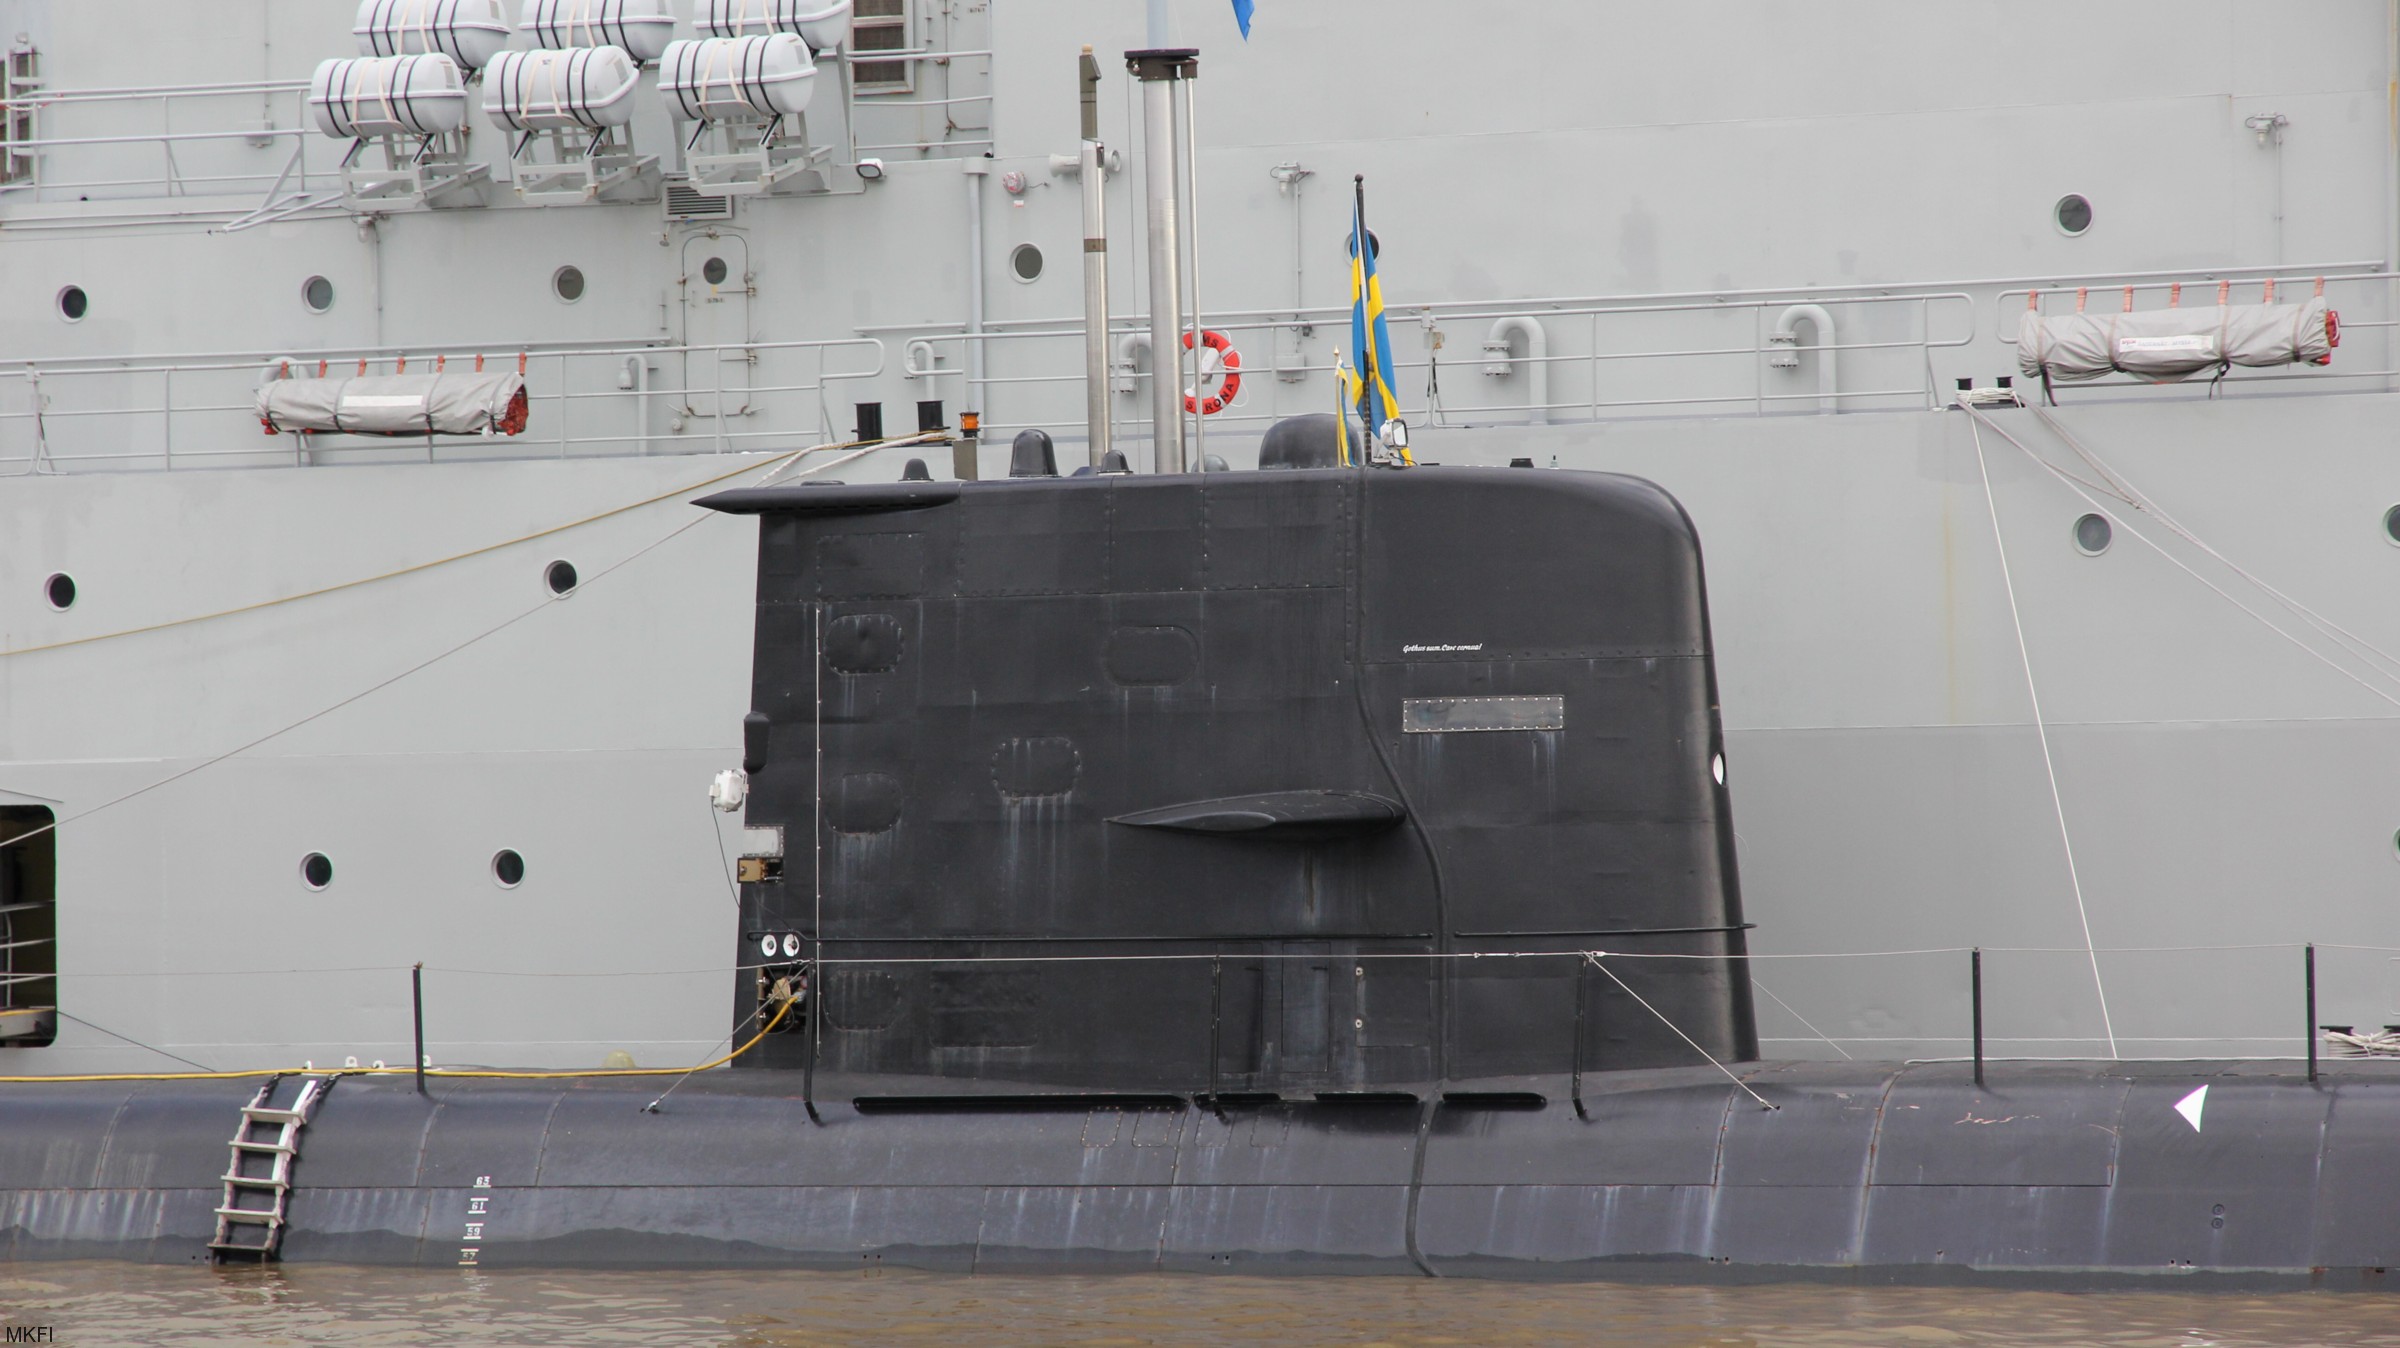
{"x": 1371, "y": 387}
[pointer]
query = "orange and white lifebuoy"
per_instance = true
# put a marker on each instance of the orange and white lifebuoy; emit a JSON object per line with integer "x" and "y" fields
{"x": 1229, "y": 381}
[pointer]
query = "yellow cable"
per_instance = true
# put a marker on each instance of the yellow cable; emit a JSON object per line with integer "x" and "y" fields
{"x": 440, "y": 561}
{"x": 763, "y": 1032}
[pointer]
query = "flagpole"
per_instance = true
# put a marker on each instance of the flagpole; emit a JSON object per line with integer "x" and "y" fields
{"x": 1367, "y": 373}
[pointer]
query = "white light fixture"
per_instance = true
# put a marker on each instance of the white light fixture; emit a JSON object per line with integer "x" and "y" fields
{"x": 870, "y": 169}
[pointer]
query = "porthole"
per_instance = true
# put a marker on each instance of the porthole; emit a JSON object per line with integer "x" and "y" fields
{"x": 2396, "y": 844}
{"x": 73, "y": 304}
{"x": 2072, "y": 214}
{"x": 713, "y": 271}
{"x": 317, "y": 293}
{"x": 567, "y": 284}
{"x": 2092, "y": 535}
{"x": 1716, "y": 768}
{"x": 508, "y": 868}
{"x": 1374, "y": 246}
{"x": 1025, "y": 262}
{"x": 60, "y": 591}
{"x": 561, "y": 578}
{"x": 2391, "y": 526}
{"x": 316, "y": 870}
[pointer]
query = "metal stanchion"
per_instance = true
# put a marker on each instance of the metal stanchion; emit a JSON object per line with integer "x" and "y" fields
{"x": 1975, "y": 971}
{"x": 416, "y": 998}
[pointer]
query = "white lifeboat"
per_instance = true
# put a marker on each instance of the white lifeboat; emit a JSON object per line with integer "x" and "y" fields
{"x": 823, "y": 24}
{"x": 362, "y": 97}
{"x": 586, "y": 88}
{"x": 717, "y": 79}
{"x": 643, "y": 28}
{"x": 470, "y": 32}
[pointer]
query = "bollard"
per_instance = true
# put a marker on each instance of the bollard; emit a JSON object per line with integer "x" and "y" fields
{"x": 416, "y": 1000}
{"x": 1975, "y": 978}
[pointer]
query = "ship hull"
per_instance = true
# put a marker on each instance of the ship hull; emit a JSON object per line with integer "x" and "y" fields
{"x": 2052, "y": 1172}
{"x": 2226, "y": 793}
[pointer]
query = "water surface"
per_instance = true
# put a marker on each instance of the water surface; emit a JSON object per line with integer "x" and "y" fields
{"x": 95, "y": 1304}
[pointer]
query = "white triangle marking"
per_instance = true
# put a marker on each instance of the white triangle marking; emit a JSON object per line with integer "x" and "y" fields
{"x": 2190, "y": 1106}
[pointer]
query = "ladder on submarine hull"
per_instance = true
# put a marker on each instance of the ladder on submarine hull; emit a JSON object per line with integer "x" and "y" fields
{"x": 258, "y": 1178}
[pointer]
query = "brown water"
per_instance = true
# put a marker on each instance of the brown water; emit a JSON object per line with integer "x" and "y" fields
{"x": 91, "y": 1305}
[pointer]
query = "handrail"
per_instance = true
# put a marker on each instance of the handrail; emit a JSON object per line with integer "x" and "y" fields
{"x": 254, "y": 359}
{"x": 1862, "y": 290}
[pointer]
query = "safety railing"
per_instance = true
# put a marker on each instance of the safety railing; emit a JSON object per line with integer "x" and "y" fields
{"x": 585, "y": 400}
{"x": 237, "y": 138}
{"x": 1576, "y": 360}
{"x": 1758, "y": 353}
{"x": 172, "y": 141}
{"x": 912, "y": 120}
{"x": 2286, "y": 1000}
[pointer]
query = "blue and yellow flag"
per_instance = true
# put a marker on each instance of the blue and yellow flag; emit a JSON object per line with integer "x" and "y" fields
{"x": 1371, "y": 387}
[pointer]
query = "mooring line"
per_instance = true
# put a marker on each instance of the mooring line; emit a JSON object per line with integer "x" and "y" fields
{"x": 1596, "y": 956}
{"x": 2041, "y": 731}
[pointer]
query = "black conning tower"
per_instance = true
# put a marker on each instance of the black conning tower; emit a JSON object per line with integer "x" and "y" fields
{"x": 1210, "y": 782}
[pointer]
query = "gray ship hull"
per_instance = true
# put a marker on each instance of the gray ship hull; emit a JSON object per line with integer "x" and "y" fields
{"x": 2227, "y": 793}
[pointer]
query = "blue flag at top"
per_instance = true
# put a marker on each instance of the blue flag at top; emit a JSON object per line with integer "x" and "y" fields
{"x": 1241, "y": 15}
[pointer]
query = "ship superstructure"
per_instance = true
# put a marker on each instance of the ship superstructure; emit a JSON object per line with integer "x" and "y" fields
{"x": 2101, "y": 688}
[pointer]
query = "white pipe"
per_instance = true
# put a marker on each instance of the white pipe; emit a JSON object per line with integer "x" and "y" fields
{"x": 1786, "y": 330}
{"x": 1162, "y": 170}
{"x": 1537, "y": 364}
{"x": 636, "y": 378}
{"x": 1128, "y": 346}
{"x": 1190, "y": 188}
{"x": 976, "y": 169}
{"x": 918, "y": 360}
{"x": 1095, "y": 298}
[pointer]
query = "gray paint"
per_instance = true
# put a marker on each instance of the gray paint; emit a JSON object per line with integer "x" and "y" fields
{"x": 1863, "y": 1172}
{"x": 2221, "y": 787}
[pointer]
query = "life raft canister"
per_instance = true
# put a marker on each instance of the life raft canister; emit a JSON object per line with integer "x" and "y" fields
{"x": 1229, "y": 381}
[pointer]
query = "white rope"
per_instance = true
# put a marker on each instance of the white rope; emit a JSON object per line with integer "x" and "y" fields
{"x": 422, "y": 665}
{"x": 1595, "y": 957}
{"x": 2042, "y": 732}
{"x": 2386, "y": 664}
{"x": 2186, "y": 567}
{"x": 1787, "y": 1006}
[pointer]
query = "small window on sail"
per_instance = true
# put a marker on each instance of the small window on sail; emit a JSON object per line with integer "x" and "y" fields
{"x": 880, "y": 25}
{"x": 28, "y": 927}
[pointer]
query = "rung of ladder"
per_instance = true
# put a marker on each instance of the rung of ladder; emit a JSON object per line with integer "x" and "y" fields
{"x": 257, "y": 1181}
{"x": 268, "y": 1148}
{"x": 255, "y": 1216}
{"x": 262, "y": 1114}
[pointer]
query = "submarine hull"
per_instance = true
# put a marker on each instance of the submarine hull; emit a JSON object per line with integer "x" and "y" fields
{"x": 2050, "y": 1172}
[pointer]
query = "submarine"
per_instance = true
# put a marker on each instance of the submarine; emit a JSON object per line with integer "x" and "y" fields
{"x": 1318, "y": 869}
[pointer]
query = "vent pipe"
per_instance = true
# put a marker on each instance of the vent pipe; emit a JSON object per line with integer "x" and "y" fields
{"x": 976, "y": 171}
{"x": 1095, "y": 265}
{"x": 1785, "y": 339}
{"x": 1497, "y": 361}
{"x": 1162, "y": 175}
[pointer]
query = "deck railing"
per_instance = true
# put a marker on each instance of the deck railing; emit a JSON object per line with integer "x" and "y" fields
{"x": 1471, "y": 363}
